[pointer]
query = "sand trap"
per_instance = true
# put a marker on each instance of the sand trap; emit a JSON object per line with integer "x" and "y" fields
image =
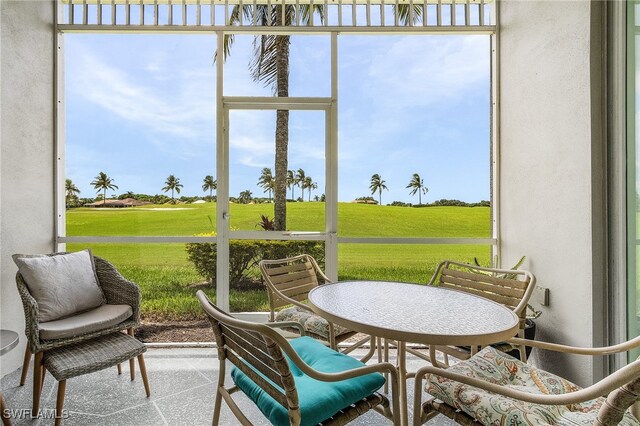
{"x": 165, "y": 208}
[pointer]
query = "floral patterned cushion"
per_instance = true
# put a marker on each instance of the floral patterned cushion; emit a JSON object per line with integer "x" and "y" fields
{"x": 313, "y": 324}
{"x": 490, "y": 409}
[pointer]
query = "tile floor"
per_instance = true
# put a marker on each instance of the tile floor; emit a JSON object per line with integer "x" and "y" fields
{"x": 182, "y": 384}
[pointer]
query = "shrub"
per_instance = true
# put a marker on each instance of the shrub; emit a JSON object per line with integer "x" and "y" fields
{"x": 244, "y": 256}
{"x": 266, "y": 223}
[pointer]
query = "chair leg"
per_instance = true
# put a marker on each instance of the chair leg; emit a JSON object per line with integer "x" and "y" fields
{"x": 6, "y": 419}
{"x": 44, "y": 373}
{"x": 37, "y": 381}
{"x": 132, "y": 363}
{"x": 143, "y": 373}
{"x": 216, "y": 408}
{"x": 218, "y": 402}
{"x": 60, "y": 401}
{"x": 25, "y": 365}
{"x": 386, "y": 359}
{"x": 119, "y": 369}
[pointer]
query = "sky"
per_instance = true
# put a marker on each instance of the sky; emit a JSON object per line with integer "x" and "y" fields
{"x": 140, "y": 107}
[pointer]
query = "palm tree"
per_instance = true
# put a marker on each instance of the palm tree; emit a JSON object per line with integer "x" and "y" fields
{"x": 209, "y": 184}
{"x": 291, "y": 181}
{"x": 308, "y": 183}
{"x": 245, "y": 197}
{"x": 172, "y": 183}
{"x": 417, "y": 185}
{"x": 102, "y": 182}
{"x": 270, "y": 66}
{"x": 312, "y": 186}
{"x": 71, "y": 191}
{"x": 377, "y": 185}
{"x": 300, "y": 179}
{"x": 266, "y": 181}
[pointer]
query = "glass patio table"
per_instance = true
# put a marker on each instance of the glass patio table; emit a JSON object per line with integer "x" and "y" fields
{"x": 413, "y": 313}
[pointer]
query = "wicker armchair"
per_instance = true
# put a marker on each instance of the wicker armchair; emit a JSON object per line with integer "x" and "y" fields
{"x": 512, "y": 288}
{"x": 294, "y": 382}
{"x": 494, "y": 388}
{"x": 289, "y": 282}
{"x": 117, "y": 291}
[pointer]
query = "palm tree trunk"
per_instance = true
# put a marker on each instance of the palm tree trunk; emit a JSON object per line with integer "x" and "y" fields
{"x": 104, "y": 198}
{"x": 380, "y": 196}
{"x": 282, "y": 132}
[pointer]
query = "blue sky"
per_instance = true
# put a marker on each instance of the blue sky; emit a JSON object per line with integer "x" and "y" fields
{"x": 142, "y": 106}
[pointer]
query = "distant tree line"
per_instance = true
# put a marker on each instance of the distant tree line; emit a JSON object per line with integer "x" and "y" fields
{"x": 443, "y": 202}
{"x": 295, "y": 179}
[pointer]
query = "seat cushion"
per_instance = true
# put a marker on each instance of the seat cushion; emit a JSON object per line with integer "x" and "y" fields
{"x": 313, "y": 324}
{"x": 489, "y": 408}
{"x": 96, "y": 319}
{"x": 318, "y": 400}
{"x": 62, "y": 284}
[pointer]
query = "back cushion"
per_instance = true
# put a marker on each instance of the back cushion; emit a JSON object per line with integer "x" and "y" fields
{"x": 62, "y": 284}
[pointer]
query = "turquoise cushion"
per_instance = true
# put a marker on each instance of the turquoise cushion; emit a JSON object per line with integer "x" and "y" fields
{"x": 318, "y": 400}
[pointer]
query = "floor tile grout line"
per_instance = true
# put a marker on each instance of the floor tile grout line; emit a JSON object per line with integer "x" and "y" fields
{"x": 198, "y": 370}
{"x": 166, "y": 423}
{"x": 182, "y": 391}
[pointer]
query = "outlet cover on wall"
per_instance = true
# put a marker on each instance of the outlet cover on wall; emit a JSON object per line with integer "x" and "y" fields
{"x": 541, "y": 296}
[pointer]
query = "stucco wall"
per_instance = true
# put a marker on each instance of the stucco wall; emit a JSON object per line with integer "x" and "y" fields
{"x": 547, "y": 140}
{"x": 26, "y": 158}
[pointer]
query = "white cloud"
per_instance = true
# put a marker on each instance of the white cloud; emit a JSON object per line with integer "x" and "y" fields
{"x": 136, "y": 100}
{"x": 419, "y": 71}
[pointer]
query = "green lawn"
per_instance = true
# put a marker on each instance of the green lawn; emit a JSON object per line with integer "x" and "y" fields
{"x": 168, "y": 280}
{"x": 356, "y": 220}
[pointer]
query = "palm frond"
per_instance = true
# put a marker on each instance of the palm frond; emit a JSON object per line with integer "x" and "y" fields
{"x": 404, "y": 13}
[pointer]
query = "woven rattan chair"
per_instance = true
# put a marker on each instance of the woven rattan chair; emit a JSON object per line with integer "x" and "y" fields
{"x": 289, "y": 282}
{"x": 512, "y": 288}
{"x": 117, "y": 291}
{"x": 493, "y": 388}
{"x": 295, "y": 382}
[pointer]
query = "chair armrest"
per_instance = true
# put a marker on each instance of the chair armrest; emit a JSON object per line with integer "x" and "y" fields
{"x": 441, "y": 265}
{"x": 601, "y": 388}
{"x": 386, "y": 367}
{"x": 117, "y": 289}
{"x": 318, "y": 270}
{"x": 31, "y": 314}
{"x": 282, "y": 296}
{"x": 285, "y": 324}
{"x": 606, "y": 350}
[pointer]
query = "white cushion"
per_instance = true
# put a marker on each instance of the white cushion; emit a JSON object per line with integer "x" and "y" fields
{"x": 87, "y": 322}
{"x": 62, "y": 284}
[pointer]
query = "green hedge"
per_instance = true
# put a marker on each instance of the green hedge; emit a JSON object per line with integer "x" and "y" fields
{"x": 244, "y": 256}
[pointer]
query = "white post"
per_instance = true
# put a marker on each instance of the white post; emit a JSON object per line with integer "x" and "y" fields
{"x": 495, "y": 138}
{"x": 331, "y": 149}
{"x": 222, "y": 193}
{"x": 60, "y": 138}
